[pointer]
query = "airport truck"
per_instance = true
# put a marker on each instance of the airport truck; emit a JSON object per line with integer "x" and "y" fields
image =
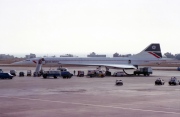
{"x": 66, "y": 74}
{"x": 6, "y": 76}
{"x": 51, "y": 73}
{"x": 57, "y": 73}
{"x": 146, "y": 71}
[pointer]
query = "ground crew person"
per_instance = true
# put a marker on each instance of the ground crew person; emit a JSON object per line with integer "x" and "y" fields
{"x": 74, "y": 72}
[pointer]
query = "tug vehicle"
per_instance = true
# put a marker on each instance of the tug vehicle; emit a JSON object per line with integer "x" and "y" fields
{"x": 159, "y": 81}
{"x": 174, "y": 81}
{"x": 119, "y": 83}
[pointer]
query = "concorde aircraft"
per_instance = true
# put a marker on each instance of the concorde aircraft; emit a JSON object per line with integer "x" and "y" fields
{"x": 151, "y": 54}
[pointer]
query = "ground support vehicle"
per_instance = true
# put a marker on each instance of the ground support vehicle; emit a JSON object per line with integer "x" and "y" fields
{"x": 178, "y": 68}
{"x": 37, "y": 74}
{"x": 29, "y": 73}
{"x": 159, "y": 81}
{"x": 6, "y": 76}
{"x": 117, "y": 74}
{"x": 119, "y": 82}
{"x": 174, "y": 81}
{"x": 21, "y": 74}
{"x": 146, "y": 71}
{"x": 13, "y": 72}
{"x": 91, "y": 73}
{"x": 96, "y": 73}
{"x": 66, "y": 74}
{"x": 80, "y": 74}
{"x": 54, "y": 74}
{"x": 108, "y": 73}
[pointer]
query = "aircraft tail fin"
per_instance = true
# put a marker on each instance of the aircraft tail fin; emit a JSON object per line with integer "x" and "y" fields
{"x": 153, "y": 51}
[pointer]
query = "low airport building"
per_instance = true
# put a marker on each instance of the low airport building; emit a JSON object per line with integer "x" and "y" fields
{"x": 93, "y": 54}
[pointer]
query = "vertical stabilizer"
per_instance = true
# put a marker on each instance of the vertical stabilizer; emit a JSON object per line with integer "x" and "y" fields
{"x": 153, "y": 51}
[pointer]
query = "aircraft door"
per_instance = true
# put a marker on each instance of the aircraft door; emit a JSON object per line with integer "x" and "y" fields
{"x": 43, "y": 61}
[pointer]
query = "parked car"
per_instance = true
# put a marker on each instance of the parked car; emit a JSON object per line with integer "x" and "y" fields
{"x": 119, "y": 82}
{"x": 13, "y": 72}
{"x": 21, "y": 74}
{"x": 6, "y": 76}
{"x": 119, "y": 73}
{"x": 174, "y": 81}
{"x": 159, "y": 81}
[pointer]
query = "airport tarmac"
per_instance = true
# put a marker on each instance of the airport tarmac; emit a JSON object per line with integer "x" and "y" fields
{"x": 89, "y": 97}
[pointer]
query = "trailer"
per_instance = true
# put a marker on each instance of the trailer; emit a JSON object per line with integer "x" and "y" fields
{"x": 80, "y": 74}
{"x": 29, "y": 73}
{"x": 146, "y": 71}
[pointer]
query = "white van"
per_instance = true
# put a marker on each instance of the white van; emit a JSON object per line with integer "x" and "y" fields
{"x": 119, "y": 73}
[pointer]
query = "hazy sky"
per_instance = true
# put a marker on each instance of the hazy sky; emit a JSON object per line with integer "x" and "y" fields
{"x": 83, "y": 26}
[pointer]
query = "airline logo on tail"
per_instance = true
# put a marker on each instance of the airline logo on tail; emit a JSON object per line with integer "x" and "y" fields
{"x": 155, "y": 50}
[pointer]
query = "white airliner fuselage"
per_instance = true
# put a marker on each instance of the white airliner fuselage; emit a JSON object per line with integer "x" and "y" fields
{"x": 151, "y": 54}
{"x": 115, "y": 60}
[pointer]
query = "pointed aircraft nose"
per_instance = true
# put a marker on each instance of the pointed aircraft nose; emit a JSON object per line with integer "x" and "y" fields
{"x": 18, "y": 63}
{"x": 24, "y": 62}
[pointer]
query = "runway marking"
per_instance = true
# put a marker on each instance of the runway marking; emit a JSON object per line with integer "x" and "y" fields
{"x": 142, "y": 102}
{"x": 94, "y": 105}
{"x": 122, "y": 104}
